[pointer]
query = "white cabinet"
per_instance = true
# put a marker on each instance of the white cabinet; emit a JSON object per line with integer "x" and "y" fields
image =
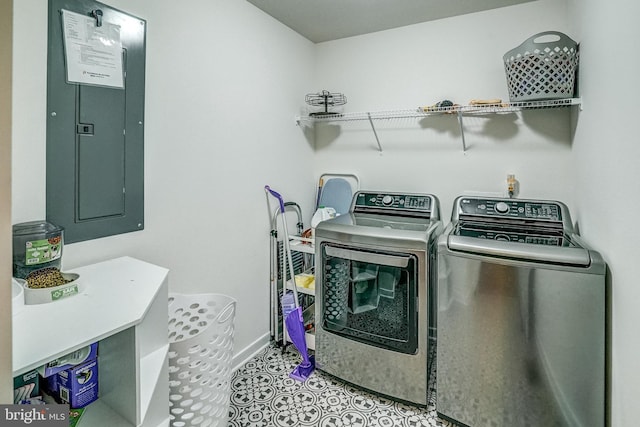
{"x": 125, "y": 308}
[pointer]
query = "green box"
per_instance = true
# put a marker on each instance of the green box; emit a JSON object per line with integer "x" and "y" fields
{"x": 26, "y": 386}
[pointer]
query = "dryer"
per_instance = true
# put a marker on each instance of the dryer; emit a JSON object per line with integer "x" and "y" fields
{"x": 374, "y": 271}
{"x": 521, "y": 317}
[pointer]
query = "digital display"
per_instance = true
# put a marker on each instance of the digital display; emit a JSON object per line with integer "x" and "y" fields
{"x": 542, "y": 211}
{"x": 416, "y": 202}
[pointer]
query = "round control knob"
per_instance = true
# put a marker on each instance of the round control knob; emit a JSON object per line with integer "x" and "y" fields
{"x": 502, "y": 207}
{"x": 387, "y": 200}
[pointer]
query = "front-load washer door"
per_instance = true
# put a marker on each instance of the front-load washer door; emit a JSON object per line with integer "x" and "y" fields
{"x": 370, "y": 296}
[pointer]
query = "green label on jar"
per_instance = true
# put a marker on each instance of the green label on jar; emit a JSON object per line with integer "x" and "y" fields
{"x": 66, "y": 292}
{"x": 43, "y": 251}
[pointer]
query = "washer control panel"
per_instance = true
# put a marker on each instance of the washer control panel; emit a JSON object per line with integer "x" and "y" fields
{"x": 507, "y": 235}
{"x": 510, "y": 208}
{"x": 390, "y": 202}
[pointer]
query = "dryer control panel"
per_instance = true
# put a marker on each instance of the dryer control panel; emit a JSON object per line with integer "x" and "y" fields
{"x": 394, "y": 203}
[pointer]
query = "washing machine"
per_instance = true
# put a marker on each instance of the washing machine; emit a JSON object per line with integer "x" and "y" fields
{"x": 521, "y": 317}
{"x": 374, "y": 270}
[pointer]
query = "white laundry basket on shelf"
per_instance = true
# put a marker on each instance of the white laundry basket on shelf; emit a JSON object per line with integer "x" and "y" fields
{"x": 201, "y": 331}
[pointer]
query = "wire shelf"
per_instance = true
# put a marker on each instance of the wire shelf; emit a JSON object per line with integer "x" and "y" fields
{"x": 465, "y": 110}
{"x": 457, "y": 111}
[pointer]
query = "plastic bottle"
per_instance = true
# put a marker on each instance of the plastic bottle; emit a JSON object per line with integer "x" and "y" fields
{"x": 322, "y": 214}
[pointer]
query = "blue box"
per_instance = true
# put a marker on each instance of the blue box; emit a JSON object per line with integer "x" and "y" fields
{"x": 70, "y": 360}
{"x": 77, "y": 386}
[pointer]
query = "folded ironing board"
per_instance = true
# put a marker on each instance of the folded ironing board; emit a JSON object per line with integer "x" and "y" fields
{"x": 337, "y": 190}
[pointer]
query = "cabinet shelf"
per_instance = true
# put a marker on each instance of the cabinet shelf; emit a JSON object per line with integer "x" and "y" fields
{"x": 460, "y": 111}
{"x": 301, "y": 290}
{"x": 124, "y": 308}
{"x": 302, "y": 244}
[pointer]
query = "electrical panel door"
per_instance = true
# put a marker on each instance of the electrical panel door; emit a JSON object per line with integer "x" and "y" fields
{"x": 95, "y": 120}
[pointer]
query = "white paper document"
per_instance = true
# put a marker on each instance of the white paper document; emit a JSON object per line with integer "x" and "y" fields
{"x": 93, "y": 54}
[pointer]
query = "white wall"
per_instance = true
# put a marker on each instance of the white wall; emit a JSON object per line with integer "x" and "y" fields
{"x": 606, "y": 153}
{"x": 6, "y": 381}
{"x": 223, "y": 83}
{"x": 457, "y": 59}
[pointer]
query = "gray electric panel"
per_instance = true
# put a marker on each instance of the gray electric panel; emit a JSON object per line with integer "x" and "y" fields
{"x": 95, "y": 133}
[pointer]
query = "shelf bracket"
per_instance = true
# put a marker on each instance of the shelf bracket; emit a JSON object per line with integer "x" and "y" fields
{"x": 374, "y": 132}
{"x": 464, "y": 143}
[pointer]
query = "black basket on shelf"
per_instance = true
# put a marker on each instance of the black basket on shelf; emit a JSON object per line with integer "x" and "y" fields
{"x": 325, "y": 99}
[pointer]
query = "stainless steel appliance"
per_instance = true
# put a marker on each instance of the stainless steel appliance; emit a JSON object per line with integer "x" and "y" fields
{"x": 521, "y": 317}
{"x": 373, "y": 268}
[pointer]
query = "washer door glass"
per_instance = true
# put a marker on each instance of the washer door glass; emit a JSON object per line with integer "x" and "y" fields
{"x": 370, "y": 296}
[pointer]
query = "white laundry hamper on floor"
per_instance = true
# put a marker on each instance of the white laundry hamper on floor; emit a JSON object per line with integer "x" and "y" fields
{"x": 201, "y": 331}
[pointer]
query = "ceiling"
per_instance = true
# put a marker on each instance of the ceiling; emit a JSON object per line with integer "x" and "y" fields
{"x": 324, "y": 20}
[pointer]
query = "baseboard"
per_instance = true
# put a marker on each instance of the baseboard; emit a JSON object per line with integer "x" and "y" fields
{"x": 241, "y": 357}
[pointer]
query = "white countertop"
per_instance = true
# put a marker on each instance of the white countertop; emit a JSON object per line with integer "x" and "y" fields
{"x": 116, "y": 296}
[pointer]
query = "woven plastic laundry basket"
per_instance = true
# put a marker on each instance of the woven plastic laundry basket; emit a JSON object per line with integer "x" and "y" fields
{"x": 543, "y": 67}
{"x": 201, "y": 336}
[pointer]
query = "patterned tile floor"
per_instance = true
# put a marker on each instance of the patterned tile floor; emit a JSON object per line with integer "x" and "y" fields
{"x": 262, "y": 394}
